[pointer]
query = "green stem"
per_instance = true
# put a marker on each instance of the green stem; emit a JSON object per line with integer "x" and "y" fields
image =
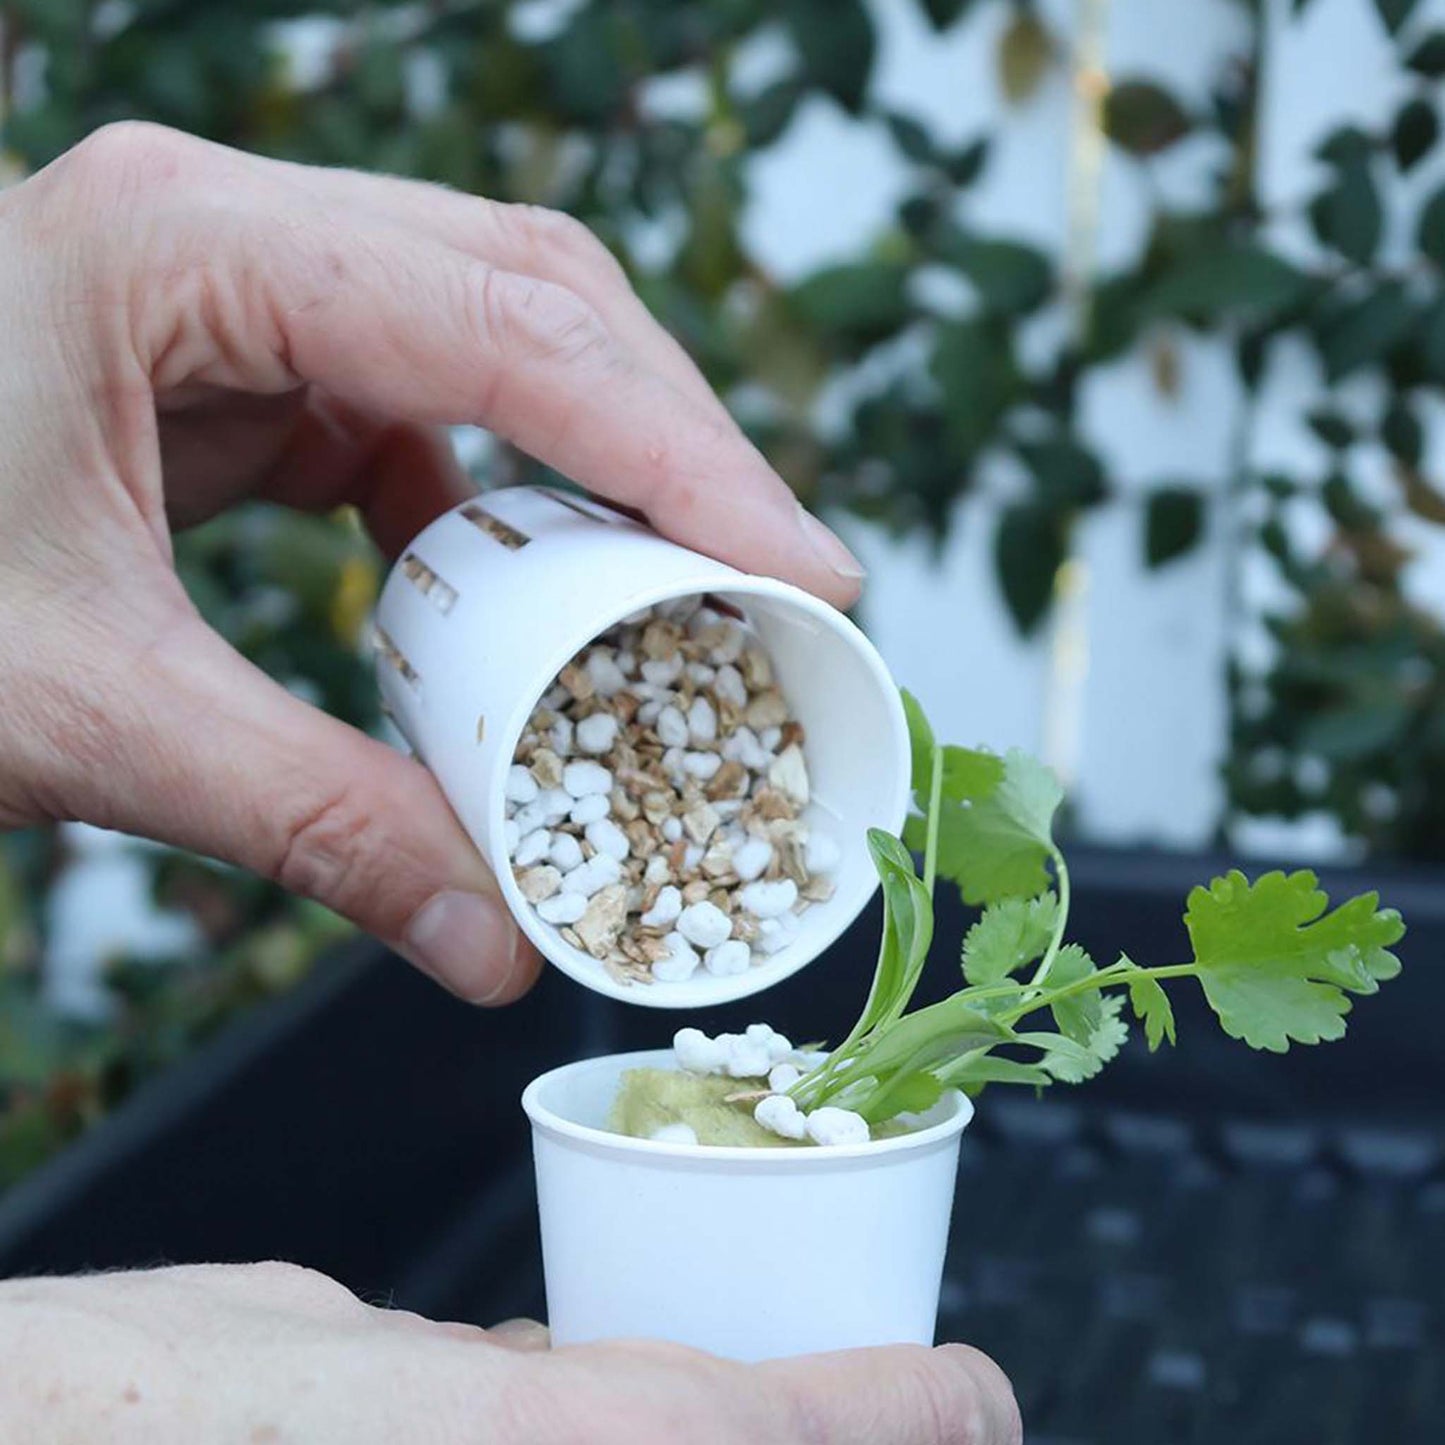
{"x": 1061, "y": 870}
{"x": 814, "y": 1086}
{"x": 1115, "y": 973}
{"x": 935, "y": 807}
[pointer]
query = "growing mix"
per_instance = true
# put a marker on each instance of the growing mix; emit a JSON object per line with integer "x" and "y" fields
{"x": 656, "y": 804}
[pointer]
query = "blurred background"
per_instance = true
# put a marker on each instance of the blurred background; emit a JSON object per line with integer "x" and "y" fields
{"x": 1111, "y": 334}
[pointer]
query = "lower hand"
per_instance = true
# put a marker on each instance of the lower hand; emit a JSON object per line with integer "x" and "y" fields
{"x": 271, "y": 1353}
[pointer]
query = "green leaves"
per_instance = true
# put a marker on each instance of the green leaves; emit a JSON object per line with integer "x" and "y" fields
{"x": 1275, "y": 967}
{"x": 1366, "y": 331}
{"x": 1029, "y": 548}
{"x": 995, "y": 831}
{"x": 1011, "y": 278}
{"x": 1246, "y": 283}
{"x": 907, "y": 929}
{"x": 1414, "y": 133}
{"x": 1431, "y": 234}
{"x": 1173, "y": 523}
{"x": 860, "y": 302}
{"x": 1394, "y": 13}
{"x": 1428, "y": 57}
{"x": 1009, "y": 936}
{"x": 1152, "y": 1008}
{"x": 837, "y": 44}
{"x": 1024, "y": 53}
{"x": 1143, "y": 118}
{"x": 1347, "y": 215}
{"x": 974, "y": 369}
{"x": 921, "y": 745}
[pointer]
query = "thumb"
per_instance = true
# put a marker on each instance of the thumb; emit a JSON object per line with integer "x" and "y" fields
{"x": 902, "y": 1394}
{"x": 204, "y": 751}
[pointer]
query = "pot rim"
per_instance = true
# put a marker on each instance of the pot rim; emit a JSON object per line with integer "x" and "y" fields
{"x": 548, "y": 1121}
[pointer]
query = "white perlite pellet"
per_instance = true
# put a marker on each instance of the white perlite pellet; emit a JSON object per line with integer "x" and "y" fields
{"x": 555, "y": 804}
{"x": 533, "y": 848}
{"x": 776, "y": 934}
{"x": 590, "y": 809}
{"x": 562, "y": 908}
{"x": 728, "y": 958}
{"x": 782, "y": 1077}
{"x": 779, "y": 1114}
{"x": 678, "y": 963}
{"x": 704, "y": 925}
{"x": 696, "y": 1052}
{"x": 661, "y": 782}
{"x": 521, "y": 786}
{"x": 606, "y": 837}
{"x": 588, "y": 878}
{"x": 674, "y": 1134}
{"x": 837, "y": 1126}
{"x": 769, "y": 900}
{"x": 672, "y": 728}
{"x": 597, "y": 733}
{"x": 583, "y": 779}
{"x": 751, "y": 858}
{"x": 702, "y": 721}
{"x": 665, "y": 911}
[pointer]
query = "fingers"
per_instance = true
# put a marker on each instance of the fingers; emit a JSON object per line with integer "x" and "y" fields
{"x": 184, "y": 741}
{"x": 400, "y": 475}
{"x": 311, "y": 451}
{"x": 532, "y": 241}
{"x": 901, "y": 1395}
{"x": 262, "y": 287}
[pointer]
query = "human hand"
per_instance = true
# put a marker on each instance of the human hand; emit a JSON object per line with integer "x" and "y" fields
{"x": 272, "y": 1353}
{"x": 185, "y": 326}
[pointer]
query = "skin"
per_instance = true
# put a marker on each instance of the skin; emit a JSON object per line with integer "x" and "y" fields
{"x": 186, "y": 326}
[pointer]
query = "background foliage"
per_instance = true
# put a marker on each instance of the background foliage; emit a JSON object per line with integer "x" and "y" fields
{"x": 1345, "y": 714}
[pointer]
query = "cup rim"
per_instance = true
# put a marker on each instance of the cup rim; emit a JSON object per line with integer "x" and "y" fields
{"x": 698, "y": 992}
{"x": 545, "y": 1120}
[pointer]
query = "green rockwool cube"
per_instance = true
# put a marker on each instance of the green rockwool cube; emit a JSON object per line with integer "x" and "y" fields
{"x": 649, "y": 1099}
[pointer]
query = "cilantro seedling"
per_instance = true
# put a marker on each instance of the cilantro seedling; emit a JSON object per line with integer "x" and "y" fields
{"x": 1276, "y": 965}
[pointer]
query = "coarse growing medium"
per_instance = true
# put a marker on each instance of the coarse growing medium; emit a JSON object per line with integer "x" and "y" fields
{"x": 656, "y": 803}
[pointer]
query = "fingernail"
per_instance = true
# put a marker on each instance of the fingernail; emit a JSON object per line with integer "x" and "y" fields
{"x": 828, "y": 549}
{"x": 466, "y": 941}
{"x": 521, "y": 1335}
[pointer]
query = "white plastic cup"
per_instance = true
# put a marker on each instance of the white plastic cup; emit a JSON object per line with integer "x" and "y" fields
{"x": 492, "y": 600}
{"x": 752, "y": 1254}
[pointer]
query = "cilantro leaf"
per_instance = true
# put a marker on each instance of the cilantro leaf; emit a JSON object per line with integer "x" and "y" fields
{"x": 1010, "y": 935}
{"x": 1152, "y": 1008}
{"x": 1062, "y": 1058}
{"x": 1275, "y": 967}
{"x": 995, "y": 832}
{"x": 970, "y": 772}
{"x": 1080, "y": 1015}
{"x": 921, "y": 745}
{"x": 973, "y": 1071}
{"x": 914, "y": 1093}
{"x": 907, "y": 933}
{"x": 922, "y": 1040}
